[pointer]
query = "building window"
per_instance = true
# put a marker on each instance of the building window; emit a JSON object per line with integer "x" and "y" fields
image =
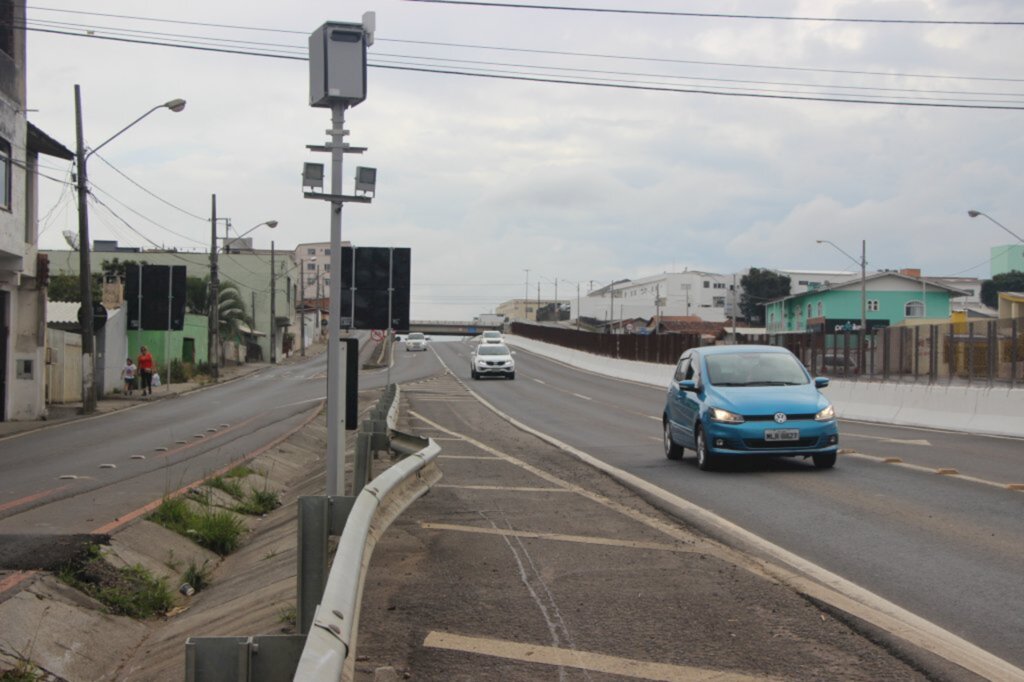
{"x": 5, "y": 174}
{"x": 821, "y": 309}
{"x": 809, "y": 313}
{"x": 914, "y": 309}
{"x": 311, "y": 266}
{"x": 310, "y": 252}
{"x": 802, "y": 282}
{"x": 327, "y": 282}
{"x": 684, "y": 287}
{"x": 327, "y": 267}
{"x": 707, "y": 284}
{"x": 718, "y": 301}
{"x": 872, "y": 305}
{"x": 327, "y": 252}
{"x": 719, "y": 285}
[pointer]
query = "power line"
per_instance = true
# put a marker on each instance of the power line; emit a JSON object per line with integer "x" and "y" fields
{"x": 152, "y": 194}
{"x": 567, "y": 81}
{"x": 93, "y": 185}
{"x": 541, "y": 51}
{"x": 717, "y": 15}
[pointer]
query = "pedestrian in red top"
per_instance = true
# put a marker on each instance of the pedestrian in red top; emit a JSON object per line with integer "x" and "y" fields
{"x": 145, "y": 365}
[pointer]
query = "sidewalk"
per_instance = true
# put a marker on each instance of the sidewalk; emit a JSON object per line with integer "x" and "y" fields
{"x": 115, "y": 402}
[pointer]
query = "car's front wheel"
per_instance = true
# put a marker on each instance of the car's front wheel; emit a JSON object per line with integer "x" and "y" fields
{"x": 473, "y": 373}
{"x": 705, "y": 460}
{"x": 824, "y": 461}
{"x": 673, "y": 450}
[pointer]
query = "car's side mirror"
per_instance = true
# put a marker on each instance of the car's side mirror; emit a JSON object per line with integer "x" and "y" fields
{"x": 821, "y": 382}
{"x": 687, "y": 385}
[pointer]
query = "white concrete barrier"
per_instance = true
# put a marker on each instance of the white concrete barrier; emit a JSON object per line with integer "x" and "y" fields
{"x": 995, "y": 411}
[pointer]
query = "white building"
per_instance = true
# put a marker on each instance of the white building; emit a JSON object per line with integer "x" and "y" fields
{"x": 315, "y": 260}
{"x": 22, "y": 272}
{"x": 707, "y": 295}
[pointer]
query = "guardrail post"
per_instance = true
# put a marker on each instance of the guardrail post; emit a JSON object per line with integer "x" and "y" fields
{"x": 364, "y": 458}
{"x": 312, "y": 557}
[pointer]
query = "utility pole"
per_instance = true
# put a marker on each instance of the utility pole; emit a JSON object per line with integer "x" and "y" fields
{"x": 526, "y": 295}
{"x": 734, "y": 339}
{"x": 537, "y": 315}
{"x": 863, "y": 301}
{"x": 85, "y": 269}
{"x": 273, "y": 307}
{"x": 302, "y": 308}
{"x": 214, "y": 316}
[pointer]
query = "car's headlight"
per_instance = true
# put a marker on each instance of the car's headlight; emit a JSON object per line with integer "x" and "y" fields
{"x": 720, "y": 415}
{"x": 825, "y": 415}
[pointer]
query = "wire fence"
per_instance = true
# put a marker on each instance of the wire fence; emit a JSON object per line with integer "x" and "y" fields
{"x": 987, "y": 352}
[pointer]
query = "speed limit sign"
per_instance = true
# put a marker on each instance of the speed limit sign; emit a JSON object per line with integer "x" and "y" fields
{"x": 377, "y": 335}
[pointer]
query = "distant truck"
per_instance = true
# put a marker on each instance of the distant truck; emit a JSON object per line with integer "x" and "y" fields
{"x": 489, "y": 320}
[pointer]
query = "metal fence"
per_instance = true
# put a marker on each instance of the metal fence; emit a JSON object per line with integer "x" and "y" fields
{"x": 987, "y": 352}
{"x": 657, "y": 348}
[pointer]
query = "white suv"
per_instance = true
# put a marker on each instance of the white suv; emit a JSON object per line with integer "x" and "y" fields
{"x": 492, "y": 359}
{"x": 492, "y": 336}
{"x": 415, "y": 341}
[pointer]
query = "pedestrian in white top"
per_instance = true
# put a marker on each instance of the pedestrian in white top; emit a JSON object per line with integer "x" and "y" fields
{"x": 128, "y": 374}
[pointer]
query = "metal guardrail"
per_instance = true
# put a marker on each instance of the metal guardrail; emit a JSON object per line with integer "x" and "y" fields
{"x": 330, "y": 644}
{"x": 327, "y": 613}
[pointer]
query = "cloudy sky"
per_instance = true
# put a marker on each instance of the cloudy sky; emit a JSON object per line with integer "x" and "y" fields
{"x": 722, "y": 146}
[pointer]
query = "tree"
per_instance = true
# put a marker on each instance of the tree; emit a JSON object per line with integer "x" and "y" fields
{"x": 1008, "y": 281}
{"x": 69, "y": 288}
{"x": 759, "y": 287}
{"x": 197, "y": 295}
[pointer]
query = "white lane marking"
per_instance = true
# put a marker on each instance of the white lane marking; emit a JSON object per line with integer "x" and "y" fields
{"x": 930, "y": 470}
{"x": 583, "y": 539}
{"x": 582, "y": 397}
{"x": 799, "y": 573}
{"x": 884, "y": 439}
{"x": 581, "y": 660}
{"x": 541, "y": 382}
{"x": 505, "y": 488}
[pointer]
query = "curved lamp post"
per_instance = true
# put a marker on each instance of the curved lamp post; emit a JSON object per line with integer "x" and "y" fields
{"x": 975, "y": 214}
{"x": 85, "y": 268}
{"x": 863, "y": 291}
{"x": 214, "y": 331}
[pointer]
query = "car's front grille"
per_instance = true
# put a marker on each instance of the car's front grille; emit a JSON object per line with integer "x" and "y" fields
{"x": 771, "y": 417}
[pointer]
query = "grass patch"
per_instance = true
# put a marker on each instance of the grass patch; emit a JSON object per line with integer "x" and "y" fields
{"x": 218, "y": 530}
{"x": 259, "y": 502}
{"x": 24, "y": 671}
{"x": 240, "y": 471}
{"x": 228, "y": 485}
{"x": 131, "y": 591}
{"x": 288, "y": 615}
{"x": 197, "y": 576}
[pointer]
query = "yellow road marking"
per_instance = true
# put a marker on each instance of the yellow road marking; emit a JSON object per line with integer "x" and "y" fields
{"x": 502, "y": 487}
{"x": 581, "y": 660}
{"x": 584, "y": 539}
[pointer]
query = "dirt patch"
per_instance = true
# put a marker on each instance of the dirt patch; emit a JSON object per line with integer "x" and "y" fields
{"x": 45, "y": 552}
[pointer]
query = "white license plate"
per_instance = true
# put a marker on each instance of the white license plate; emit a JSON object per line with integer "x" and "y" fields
{"x": 782, "y": 434}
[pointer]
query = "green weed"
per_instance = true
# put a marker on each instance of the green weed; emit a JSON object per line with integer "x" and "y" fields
{"x": 131, "y": 591}
{"x": 197, "y": 576}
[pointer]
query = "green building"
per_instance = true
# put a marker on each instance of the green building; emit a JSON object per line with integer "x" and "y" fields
{"x": 1007, "y": 259}
{"x": 891, "y": 299}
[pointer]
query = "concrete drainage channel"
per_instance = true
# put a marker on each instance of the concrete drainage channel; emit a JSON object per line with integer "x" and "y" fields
{"x": 50, "y": 631}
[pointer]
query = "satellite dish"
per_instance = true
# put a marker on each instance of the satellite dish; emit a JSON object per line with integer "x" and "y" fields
{"x": 71, "y": 238}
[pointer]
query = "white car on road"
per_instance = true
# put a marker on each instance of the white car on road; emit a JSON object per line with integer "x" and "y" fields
{"x": 415, "y": 341}
{"x": 492, "y": 336}
{"x": 492, "y": 360}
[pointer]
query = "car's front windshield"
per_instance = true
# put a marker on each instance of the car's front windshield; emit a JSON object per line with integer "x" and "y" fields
{"x": 755, "y": 369}
{"x": 493, "y": 350}
{"x": 415, "y": 336}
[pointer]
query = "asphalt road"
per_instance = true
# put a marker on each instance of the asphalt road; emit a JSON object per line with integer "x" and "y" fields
{"x": 947, "y": 548}
{"x": 80, "y": 476}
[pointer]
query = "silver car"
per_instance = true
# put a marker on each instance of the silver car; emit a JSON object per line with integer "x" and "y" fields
{"x": 492, "y": 360}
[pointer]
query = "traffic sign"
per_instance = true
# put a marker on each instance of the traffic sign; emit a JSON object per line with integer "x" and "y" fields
{"x": 377, "y": 334}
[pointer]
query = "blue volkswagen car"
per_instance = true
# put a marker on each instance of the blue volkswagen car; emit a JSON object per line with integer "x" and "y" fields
{"x": 735, "y": 401}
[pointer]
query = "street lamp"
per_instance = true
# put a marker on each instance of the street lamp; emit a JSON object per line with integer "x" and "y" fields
{"x": 863, "y": 290}
{"x": 569, "y": 281}
{"x": 214, "y": 326}
{"x": 85, "y": 267}
{"x": 975, "y": 214}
